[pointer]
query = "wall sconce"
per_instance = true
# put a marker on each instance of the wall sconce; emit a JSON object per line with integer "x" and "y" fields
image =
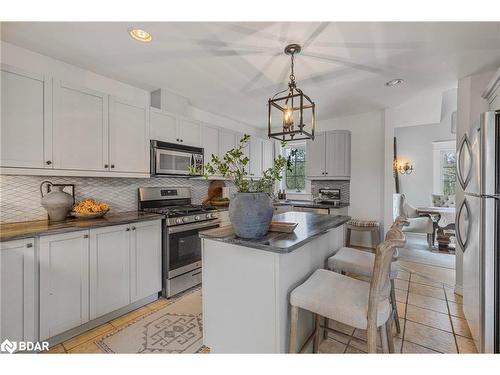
{"x": 405, "y": 168}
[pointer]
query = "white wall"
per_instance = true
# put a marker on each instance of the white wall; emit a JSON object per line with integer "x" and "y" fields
{"x": 423, "y": 108}
{"x": 367, "y": 165}
{"x": 414, "y": 144}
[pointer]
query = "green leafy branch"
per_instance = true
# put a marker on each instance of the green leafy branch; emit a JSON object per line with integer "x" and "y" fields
{"x": 233, "y": 165}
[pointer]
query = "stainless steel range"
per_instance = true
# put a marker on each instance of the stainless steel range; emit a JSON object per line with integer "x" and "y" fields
{"x": 181, "y": 254}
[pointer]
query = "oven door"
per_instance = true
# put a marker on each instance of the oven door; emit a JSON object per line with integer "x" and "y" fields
{"x": 184, "y": 247}
{"x": 172, "y": 162}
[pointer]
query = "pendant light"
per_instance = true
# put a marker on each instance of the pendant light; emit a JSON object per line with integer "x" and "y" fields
{"x": 294, "y": 109}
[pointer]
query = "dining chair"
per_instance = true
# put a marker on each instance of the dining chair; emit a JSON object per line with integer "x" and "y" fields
{"x": 357, "y": 303}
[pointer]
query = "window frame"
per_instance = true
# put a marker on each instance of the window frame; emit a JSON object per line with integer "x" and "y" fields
{"x": 438, "y": 148}
{"x": 283, "y": 185}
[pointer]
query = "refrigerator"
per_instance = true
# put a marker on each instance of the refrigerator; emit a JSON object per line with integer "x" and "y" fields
{"x": 478, "y": 229}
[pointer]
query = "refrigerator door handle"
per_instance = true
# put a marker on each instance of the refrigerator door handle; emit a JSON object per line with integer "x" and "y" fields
{"x": 464, "y": 151}
{"x": 460, "y": 239}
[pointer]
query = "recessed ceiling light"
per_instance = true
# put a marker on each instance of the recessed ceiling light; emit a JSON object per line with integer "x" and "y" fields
{"x": 394, "y": 82}
{"x": 140, "y": 34}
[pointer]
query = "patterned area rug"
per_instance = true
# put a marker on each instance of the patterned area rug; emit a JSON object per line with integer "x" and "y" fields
{"x": 176, "y": 328}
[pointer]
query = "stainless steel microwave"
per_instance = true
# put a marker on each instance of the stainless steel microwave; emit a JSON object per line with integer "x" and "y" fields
{"x": 173, "y": 159}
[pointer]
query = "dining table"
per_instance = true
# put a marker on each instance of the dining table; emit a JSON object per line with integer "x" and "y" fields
{"x": 444, "y": 224}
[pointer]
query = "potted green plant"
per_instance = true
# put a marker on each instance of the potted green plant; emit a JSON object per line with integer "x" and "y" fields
{"x": 251, "y": 208}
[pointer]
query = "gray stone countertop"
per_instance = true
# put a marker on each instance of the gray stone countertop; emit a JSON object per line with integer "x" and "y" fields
{"x": 311, "y": 204}
{"x": 28, "y": 229}
{"x": 310, "y": 226}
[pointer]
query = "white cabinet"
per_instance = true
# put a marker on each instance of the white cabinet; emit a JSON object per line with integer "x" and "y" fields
{"x": 128, "y": 137}
{"x": 80, "y": 131}
{"x": 163, "y": 126}
{"x": 64, "y": 282}
{"x": 316, "y": 156}
{"x": 109, "y": 269}
{"x": 227, "y": 141}
{"x": 189, "y": 132}
{"x": 329, "y": 155}
{"x": 145, "y": 259}
{"x": 168, "y": 127}
{"x": 210, "y": 142}
{"x": 18, "y": 290}
{"x": 25, "y": 118}
{"x": 267, "y": 154}
{"x": 338, "y": 154}
{"x": 255, "y": 167}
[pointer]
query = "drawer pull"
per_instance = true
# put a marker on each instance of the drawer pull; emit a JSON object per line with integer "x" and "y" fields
{"x": 29, "y": 245}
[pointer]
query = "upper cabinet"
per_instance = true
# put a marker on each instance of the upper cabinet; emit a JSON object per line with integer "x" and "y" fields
{"x": 210, "y": 137}
{"x": 255, "y": 167}
{"x": 168, "y": 127}
{"x": 24, "y": 119}
{"x": 227, "y": 141}
{"x": 128, "y": 136}
{"x": 329, "y": 155}
{"x": 80, "y": 128}
{"x": 267, "y": 154}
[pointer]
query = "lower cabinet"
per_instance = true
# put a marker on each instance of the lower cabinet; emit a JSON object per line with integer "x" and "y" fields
{"x": 109, "y": 269}
{"x": 87, "y": 274}
{"x": 145, "y": 259}
{"x": 64, "y": 282}
{"x": 18, "y": 315}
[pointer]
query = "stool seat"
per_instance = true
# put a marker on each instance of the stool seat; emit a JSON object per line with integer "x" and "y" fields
{"x": 340, "y": 298}
{"x": 357, "y": 262}
{"x": 363, "y": 223}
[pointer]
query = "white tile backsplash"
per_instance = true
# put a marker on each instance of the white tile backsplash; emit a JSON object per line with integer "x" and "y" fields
{"x": 20, "y": 195}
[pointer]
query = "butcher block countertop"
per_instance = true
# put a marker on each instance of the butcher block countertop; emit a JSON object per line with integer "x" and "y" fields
{"x": 28, "y": 229}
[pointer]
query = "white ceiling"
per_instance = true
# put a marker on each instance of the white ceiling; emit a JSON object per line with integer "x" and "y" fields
{"x": 233, "y": 68}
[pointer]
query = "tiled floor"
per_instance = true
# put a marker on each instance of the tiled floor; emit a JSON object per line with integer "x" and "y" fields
{"x": 431, "y": 319}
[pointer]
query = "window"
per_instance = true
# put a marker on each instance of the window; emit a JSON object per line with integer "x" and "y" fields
{"x": 445, "y": 167}
{"x": 294, "y": 181}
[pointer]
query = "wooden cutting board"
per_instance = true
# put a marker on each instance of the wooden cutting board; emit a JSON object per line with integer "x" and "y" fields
{"x": 214, "y": 190}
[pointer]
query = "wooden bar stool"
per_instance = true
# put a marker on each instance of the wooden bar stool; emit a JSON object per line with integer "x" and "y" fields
{"x": 349, "y": 301}
{"x": 360, "y": 225}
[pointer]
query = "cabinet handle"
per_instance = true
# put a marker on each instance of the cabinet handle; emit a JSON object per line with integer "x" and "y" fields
{"x": 178, "y": 140}
{"x": 128, "y": 229}
{"x": 112, "y": 165}
{"x": 85, "y": 236}
{"x": 182, "y": 140}
{"x": 326, "y": 172}
{"x": 48, "y": 162}
{"x": 29, "y": 245}
{"x": 133, "y": 228}
{"x": 106, "y": 166}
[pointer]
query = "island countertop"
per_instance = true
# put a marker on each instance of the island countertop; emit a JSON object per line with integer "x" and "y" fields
{"x": 15, "y": 231}
{"x": 310, "y": 225}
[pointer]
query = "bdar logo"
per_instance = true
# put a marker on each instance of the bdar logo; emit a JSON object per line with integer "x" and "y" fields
{"x": 8, "y": 346}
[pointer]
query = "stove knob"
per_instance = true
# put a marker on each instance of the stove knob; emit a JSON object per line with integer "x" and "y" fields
{"x": 208, "y": 216}
{"x": 184, "y": 219}
{"x": 197, "y": 217}
{"x": 178, "y": 221}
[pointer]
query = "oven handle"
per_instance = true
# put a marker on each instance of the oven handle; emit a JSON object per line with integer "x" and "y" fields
{"x": 186, "y": 227}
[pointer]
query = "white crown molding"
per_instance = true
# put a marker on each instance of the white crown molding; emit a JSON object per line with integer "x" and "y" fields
{"x": 492, "y": 87}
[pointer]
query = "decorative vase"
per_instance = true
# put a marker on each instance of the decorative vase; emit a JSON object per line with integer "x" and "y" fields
{"x": 58, "y": 203}
{"x": 251, "y": 214}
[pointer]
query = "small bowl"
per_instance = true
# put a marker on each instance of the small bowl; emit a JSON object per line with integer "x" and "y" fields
{"x": 93, "y": 215}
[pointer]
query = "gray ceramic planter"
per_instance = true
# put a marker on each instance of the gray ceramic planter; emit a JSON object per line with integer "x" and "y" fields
{"x": 251, "y": 214}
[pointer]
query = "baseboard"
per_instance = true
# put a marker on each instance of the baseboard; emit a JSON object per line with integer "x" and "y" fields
{"x": 459, "y": 290}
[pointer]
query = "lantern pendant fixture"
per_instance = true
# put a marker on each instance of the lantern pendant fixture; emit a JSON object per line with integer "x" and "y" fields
{"x": 295, "y": 109}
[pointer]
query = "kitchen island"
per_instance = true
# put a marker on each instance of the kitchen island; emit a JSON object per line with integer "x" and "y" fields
{"x": 246, "y": 283}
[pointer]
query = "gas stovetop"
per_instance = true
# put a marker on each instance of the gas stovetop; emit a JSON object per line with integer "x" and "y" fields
{"x": 180, "y": 211}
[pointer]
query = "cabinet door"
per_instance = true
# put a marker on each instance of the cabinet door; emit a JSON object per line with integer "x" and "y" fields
{"x": 315, "y": 156}
{"x": 24, "y": 118}
{"x": 210, "y": 142}
{"x": 18, "y": 290}
{"x": 338, "y": 152}
{"x": 145, "y": 259}
{"x": 163, "y": 126}
{"x": 128, "y": 137}
{"x": 189, "y": 132}
{"x": 227, "y": 141}
{"x": 255, "y": 169}
{"x": 267, "y": 154}
{"x": 80, "y": 128}
{"x": 109, "y": 269}
{"x": 64, "y": 282}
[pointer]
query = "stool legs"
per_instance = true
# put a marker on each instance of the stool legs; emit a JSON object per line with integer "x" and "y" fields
{"x": 375, "y": 237}
{"x": 317, "y": 334}
{"x": 348, "y": 237}
{"x": 294, "y": 318}
{"x": 388, "y": 332}
{"x": 395, "y": 307}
